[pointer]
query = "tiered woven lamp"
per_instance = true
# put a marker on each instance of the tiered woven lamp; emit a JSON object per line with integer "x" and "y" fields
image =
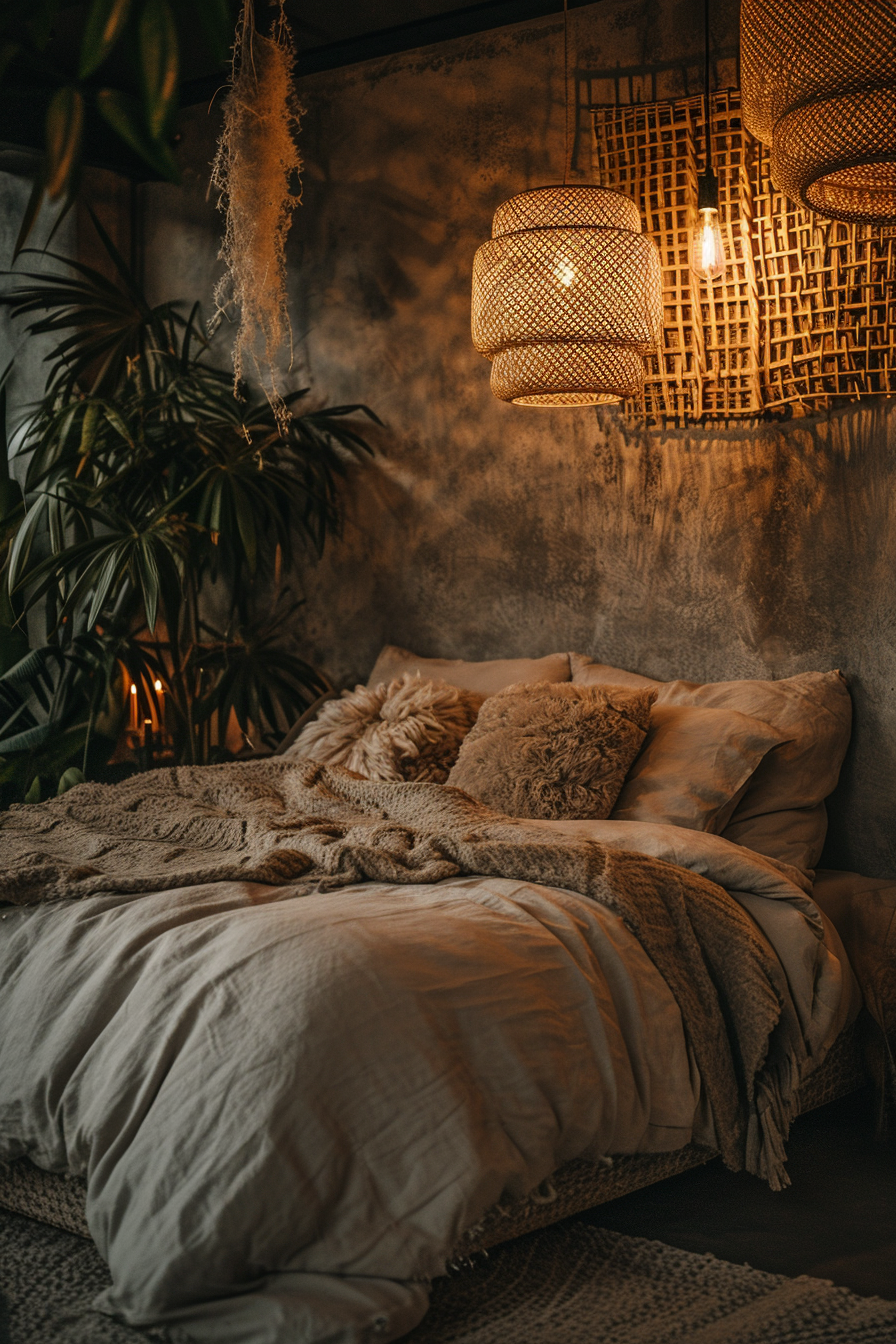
{"x": 567, "y": 297}
{"x": 819, "y": 87}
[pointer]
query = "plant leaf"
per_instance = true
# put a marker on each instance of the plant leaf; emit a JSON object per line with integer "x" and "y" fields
{"x": 65, "y": 126}
{"x": 101, "y": 31}
{"x": 69, "y": 779}
{"x": 158, "y": 63}
{"x": 124, "y": 115}
{"x": 33, "y": 794}
{"x": 27, "y": 741}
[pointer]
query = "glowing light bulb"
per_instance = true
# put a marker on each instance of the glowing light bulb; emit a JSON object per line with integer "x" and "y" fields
{"x": 133, "y": 689}
{"x": 708, "y": 250}
{"x": 157, "y": 684}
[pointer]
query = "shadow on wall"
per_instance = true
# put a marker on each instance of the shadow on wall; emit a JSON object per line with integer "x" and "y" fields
{"x": 375, "y": 273}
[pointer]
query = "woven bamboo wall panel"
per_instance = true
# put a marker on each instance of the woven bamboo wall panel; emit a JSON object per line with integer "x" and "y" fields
{"x": 806, "y": 314}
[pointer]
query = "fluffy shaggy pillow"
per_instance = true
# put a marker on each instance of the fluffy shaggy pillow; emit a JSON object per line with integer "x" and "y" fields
{"x": 553, "y": 751}
{"x": 410, "y": 728}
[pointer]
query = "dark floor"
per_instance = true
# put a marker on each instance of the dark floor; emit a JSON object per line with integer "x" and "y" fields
{"x": 836, "y": 1221}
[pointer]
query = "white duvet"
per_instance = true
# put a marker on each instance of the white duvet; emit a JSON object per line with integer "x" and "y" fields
{"x": 290, "y": 1108}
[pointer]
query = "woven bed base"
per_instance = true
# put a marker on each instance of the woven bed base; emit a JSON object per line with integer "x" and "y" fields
{"x": 578, "y": 1185}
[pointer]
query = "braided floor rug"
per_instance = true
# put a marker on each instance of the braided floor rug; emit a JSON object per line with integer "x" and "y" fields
{"x": 570, "y": 1284}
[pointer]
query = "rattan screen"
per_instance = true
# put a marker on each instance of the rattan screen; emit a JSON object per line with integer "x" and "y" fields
{"x": 806, "y": 315}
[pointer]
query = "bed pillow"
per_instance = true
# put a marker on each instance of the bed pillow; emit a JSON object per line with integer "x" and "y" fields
{"x": 693, "y": 766}
{"x": 485, "y": 678}
{"x": 781, "y": 812}
{"x": 410, "y": 728}
{"x": 553, "y": 751}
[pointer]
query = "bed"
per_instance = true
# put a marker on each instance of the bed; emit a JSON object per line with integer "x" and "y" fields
{"x": 285, "y": 1042}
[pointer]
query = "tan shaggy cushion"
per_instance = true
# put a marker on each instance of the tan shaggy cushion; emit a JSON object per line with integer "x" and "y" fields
{"x": 486, "y": 678}
{"x": 410, "y": 728}
{"x": 553, "y": 751}
{"x": 693, "y": 766}
{"x": 781, "y": 812}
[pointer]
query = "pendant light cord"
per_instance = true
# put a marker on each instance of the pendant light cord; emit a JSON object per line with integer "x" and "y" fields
{"x": 707, "y": 140}
{"x": 565, "y": 92}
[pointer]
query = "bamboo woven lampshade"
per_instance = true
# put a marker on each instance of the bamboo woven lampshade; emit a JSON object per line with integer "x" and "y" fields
{"x": 567, "y": 297}
{"x": 819, "y": 88}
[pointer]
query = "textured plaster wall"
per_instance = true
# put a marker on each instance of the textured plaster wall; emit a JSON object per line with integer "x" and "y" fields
{"x": 488, "y": 530}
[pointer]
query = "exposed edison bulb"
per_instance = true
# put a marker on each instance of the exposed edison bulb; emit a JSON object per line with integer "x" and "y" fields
{"x": 707, "y": 248}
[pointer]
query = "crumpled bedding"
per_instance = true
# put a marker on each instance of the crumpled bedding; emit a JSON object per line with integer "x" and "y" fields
{"x": 289, "y": 1106}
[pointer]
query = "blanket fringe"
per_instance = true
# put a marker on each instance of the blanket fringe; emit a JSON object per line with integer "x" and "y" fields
{"x": 777, "y": 1102}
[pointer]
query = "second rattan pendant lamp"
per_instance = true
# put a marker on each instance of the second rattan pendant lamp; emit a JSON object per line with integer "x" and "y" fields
{"x": 819, "y": 88}
{"x": 567, "y": 294}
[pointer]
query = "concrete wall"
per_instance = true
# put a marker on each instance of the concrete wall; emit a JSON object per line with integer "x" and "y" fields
{"x": 487, "y": 530}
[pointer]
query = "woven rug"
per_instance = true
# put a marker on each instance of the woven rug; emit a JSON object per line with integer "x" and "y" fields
{"x": 570, "y": 1284}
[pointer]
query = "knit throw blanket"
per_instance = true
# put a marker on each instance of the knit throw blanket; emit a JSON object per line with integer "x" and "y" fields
{"x": 318, "y": 828}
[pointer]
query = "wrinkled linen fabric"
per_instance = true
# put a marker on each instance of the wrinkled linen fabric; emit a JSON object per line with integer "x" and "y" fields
{"x": 288, "y": 1106}
{"x": 277, "y": 820}
{"x": 289, "y": 1109}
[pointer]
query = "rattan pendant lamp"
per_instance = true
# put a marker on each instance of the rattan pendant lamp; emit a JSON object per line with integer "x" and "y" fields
{"x": 819, "y": 88}
{"x": 567, "y": 294}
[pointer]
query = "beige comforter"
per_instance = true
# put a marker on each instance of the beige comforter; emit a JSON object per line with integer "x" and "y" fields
{"x": 290, "y": 1102}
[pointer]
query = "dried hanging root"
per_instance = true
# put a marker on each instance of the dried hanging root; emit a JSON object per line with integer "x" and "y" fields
{"x": 256, "y": 171}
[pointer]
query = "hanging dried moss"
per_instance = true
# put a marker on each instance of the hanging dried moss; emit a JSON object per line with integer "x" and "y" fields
{"x": 256, "y": 172}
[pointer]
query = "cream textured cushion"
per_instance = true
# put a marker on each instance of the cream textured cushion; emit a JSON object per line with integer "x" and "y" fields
{"x": 781, "y": 812}
{"x": 410, "y": 728}
{"x": 553, "y": 751}
{"x": 693, "y": 766}
{"x": 486, "y": 678}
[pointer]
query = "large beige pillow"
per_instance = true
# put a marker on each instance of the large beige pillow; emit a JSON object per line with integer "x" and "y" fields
{"x": 693, "y": 766}
{"x": 553, "y": 751}
{"x": 485, "y": 678}
{"x": 410, "y": 728}
{"x": 781, "y": 812}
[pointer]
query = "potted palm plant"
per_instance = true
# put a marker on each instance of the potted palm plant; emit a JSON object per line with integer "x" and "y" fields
{"x": 156, "y": 515}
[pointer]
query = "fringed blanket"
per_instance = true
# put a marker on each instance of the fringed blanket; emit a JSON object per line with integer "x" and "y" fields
{"x": 318, "y": 828}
